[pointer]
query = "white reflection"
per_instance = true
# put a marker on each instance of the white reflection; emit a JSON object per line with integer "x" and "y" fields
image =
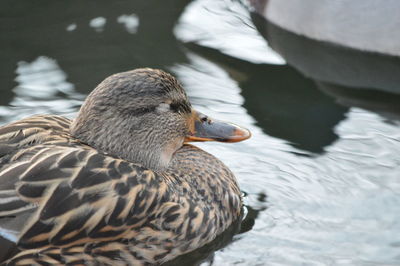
{"x": 225, "y": 25}
{"x": 42, "y": 89}
{"x": 71, "y": 27}
{"x": 98, "y": 23}
{"x": 131, "y": 22}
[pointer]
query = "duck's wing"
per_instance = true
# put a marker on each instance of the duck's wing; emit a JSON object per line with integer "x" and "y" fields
{"x": 19, "y": 142}
{"x": 62, "y": 194}
{"x": 66, "y": 195}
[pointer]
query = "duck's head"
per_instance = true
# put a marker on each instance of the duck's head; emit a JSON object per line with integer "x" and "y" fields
{"x": 144, "y": 116}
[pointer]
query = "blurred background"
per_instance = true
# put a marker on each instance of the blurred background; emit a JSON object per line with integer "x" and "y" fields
{"x": 316, "y": 81}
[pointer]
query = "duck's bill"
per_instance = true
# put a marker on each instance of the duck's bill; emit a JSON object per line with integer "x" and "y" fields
{"x": 203, "y": 128}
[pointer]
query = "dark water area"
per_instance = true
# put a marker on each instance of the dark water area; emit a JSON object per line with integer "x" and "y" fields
{"x": 321, "y": 174}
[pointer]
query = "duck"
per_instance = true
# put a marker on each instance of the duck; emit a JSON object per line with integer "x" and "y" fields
{"x": 365, "y": 26}
{"x": 120, "y": 183}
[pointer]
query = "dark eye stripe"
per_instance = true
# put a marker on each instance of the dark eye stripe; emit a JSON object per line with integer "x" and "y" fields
{"x": 180, "y": 107}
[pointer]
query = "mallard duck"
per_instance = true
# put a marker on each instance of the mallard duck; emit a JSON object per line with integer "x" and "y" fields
{"x": 119, "y": 183}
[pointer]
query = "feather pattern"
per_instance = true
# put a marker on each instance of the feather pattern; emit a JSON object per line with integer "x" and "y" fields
{"x": 69, "y": 203}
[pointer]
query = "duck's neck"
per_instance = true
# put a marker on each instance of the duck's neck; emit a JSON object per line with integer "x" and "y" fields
{"x": 206, "y": 190}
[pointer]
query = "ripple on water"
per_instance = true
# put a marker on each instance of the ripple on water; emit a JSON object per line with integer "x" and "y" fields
{"x": 338, "y": 206}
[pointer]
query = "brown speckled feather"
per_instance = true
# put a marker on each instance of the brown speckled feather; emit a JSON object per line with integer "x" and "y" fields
{"x": 69, "y": 203}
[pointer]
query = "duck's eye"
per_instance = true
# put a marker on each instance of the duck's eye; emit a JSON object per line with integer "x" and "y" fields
{"x": 175, "y": 107}
{"x": 163, "y": 107}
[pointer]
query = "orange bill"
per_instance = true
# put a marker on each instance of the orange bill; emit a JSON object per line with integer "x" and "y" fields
{"x": 203, "y": 128}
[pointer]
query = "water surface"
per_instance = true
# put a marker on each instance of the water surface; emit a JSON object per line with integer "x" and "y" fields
{"x": 321, "y": 172}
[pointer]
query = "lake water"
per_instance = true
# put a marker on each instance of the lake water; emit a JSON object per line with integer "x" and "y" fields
{"x": 321, "y": 174}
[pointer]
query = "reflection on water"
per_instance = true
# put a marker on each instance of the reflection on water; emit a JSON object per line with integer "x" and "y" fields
{"x": 42, "y": 89}
{"x": 224, "y": 25}
{"x": 131, "y": 22}
{"x": 98, "y": 23}
{"x": 334, "y": 64}
{"x": 88, "y": 56}
{"x": 385, "y": 104}
{"x": 337, "y": 206}
{"x": 291, "y": 108}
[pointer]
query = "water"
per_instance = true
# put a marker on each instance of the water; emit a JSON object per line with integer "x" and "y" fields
{"x": 321, "y": 172}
